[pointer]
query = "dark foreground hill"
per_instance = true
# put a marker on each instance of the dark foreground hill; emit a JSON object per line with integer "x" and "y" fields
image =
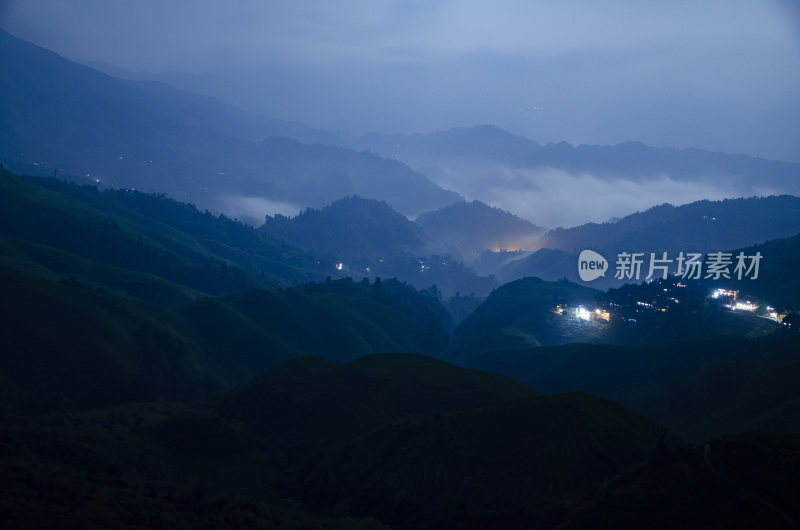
{"x": 68, "y": 345}
{"x": 342, "y": 402}
{"x": 398, "y": 440}
{"x": 699, "y": 388}
{"x": 514, "y": 464}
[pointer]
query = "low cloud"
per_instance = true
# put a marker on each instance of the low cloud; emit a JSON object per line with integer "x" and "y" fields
{"x": 551, "y": 198}
{"x": 251, "y": 210}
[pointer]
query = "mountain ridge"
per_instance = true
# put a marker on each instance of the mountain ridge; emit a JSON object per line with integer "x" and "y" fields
{"x": 124, "y": 134}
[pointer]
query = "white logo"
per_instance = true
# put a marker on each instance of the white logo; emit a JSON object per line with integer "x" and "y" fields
{"x": 591, "y": 265}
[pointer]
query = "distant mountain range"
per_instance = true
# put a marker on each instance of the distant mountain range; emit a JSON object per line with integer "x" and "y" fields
{"x": 455, "y": 151}
{"x": 563, "y": 185}
{"x": 84, "y": 124}
{"x": 150, "y": 136}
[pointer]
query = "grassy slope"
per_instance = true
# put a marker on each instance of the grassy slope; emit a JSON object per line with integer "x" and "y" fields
{"x": 778, "y": 280}
{"x": 67, "y": 344}
{"x": 144, "y": 233}
{"x": 338, "y": 320}
{"x": 72, "y": 344}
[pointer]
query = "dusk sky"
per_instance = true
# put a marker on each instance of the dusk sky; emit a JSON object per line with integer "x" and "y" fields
{"x": 718, "y": 75}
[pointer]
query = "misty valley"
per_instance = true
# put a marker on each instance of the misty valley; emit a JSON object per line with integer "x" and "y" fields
{"x": 211, "y": 318}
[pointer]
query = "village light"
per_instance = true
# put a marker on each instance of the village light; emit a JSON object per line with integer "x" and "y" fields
{"x": 583, "y": 313}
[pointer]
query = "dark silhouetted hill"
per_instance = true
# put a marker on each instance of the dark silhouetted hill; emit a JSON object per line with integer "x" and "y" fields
{"x": 342, "y": 402}
{"x": 531, "y": 313}
{"x": 248, "y": 333}
{"x": 517, "y": 464}
{"x": 371, "y": 240}
{"x": 523, "y": 313}
{"x": 473, "y": 227}
{"x": 122, "y": 239}
{"x": 74, "y": 345}
{"x": 698, "y": 388}
{"x": 702, "y": 226}
{"x": 351, "y": 228}
{"x": 778, "y": 282}
{"x": 403, "y": 440}
{"x": 68, "y": 346}
{"x": 546, "y": 263}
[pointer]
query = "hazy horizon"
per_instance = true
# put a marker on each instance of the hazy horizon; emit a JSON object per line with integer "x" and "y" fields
{"x": 720, "y": 76}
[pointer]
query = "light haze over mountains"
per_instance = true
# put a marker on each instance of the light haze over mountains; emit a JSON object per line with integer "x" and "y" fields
{"x": 715, "y": 75}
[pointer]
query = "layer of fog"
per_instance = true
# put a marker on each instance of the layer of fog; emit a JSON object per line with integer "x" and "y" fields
{"x": 550, "y": 197}
{"x": 251, "y": 210}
